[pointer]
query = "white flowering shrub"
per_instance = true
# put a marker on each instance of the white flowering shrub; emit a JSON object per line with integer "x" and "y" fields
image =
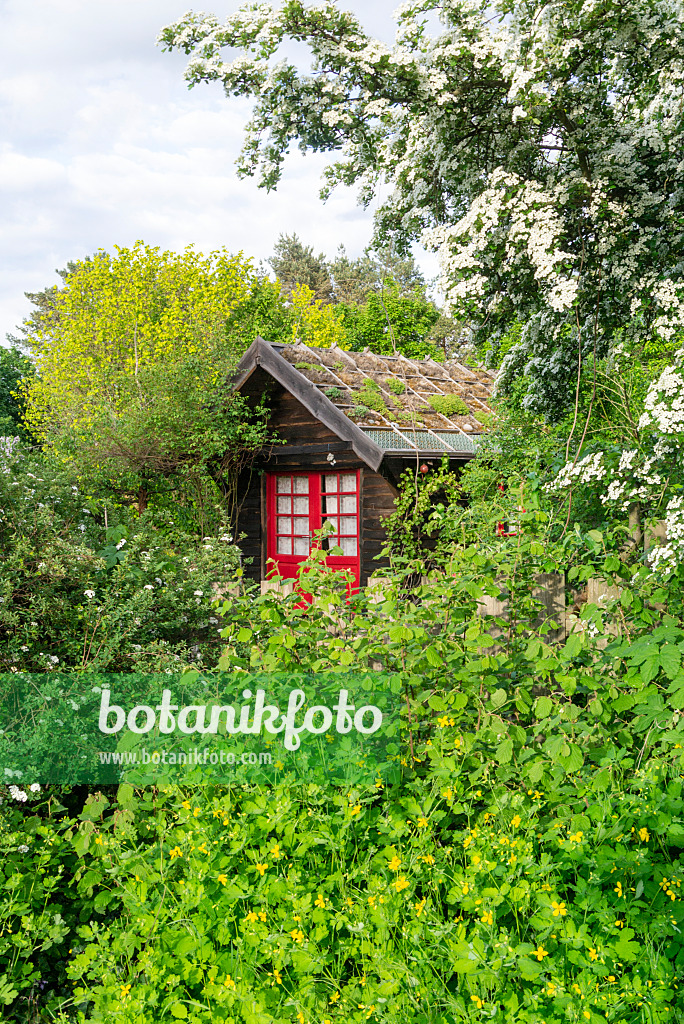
{"x": 536, "y": 147}
{"x": 74, "y": 594}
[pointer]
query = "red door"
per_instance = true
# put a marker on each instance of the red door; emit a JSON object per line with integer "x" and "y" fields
{"x": 297, "y": 505}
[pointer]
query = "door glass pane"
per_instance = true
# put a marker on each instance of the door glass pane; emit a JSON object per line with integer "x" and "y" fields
{"x": 301, "y": 526}
{"x": 301, "y": 545}
{"x": 284, "y": 504}
{"x": 330, "y": 503}
{"x": 348, "y": 545}
{"x": 284, "y": 524}
{"x": 347, "y": 481}
{"x": 348, "y": 524}
{"x": 331, "y": 482}
{"x": 348, "y": 503}
{"x": 283, "y": 485}
{"x": 301, "y": 485}
{"x": 301, "y": 505}
{"x": 284, "y": 546}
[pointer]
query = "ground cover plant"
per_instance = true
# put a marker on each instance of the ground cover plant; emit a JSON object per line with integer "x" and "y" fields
{"x": 527, "y": 868}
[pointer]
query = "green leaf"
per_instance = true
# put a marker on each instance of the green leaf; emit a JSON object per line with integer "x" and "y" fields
{"x": 543, "y": 707}
{"x": 504, "y": 751}
{"x": 670, "y": 660}
{"x": 498, "y": 698}
{"x": 433, "y": 656}
{"x": 573, "y": 760}
{"x": 436, "y": 703}
{"x": 624, "y": 701}
{"x": 649, "y": 668}
{"x": 529, "y": 970}
{"x": 573, "y": 645}
{"x": 178, "y": 1010}
{"x": 464, "y": 966}
{"x": 244, "y": 634}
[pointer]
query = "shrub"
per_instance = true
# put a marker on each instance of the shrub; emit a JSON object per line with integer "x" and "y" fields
{"x": 371, "y": 397}
{"x": 449, "y": 405}
{"x": 395, "y": 385}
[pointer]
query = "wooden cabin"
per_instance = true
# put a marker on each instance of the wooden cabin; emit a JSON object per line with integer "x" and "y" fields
{"x": 351, "y": 423}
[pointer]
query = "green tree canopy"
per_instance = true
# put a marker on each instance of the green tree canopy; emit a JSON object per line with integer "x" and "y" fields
{"x": 132, "y": 356}
{"x": 389, "y": 322}
{"x": 296, "y": 264}
{"x": 14, "y": 366}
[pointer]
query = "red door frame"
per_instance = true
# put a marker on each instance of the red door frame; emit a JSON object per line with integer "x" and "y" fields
{"x": 287, "y": 566}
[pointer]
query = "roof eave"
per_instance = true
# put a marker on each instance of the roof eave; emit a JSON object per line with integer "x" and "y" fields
{"x": 261, "y": 353}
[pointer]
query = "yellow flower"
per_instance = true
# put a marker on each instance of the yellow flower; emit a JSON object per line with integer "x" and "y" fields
{"x": 371, "y": 901}
{"x": 558, "y": 909}
{"x": 277, "y": 976}
{"x": 465, "y": 889}
{"x": 186, "y": 805}
{"x": 551, "y": 989}
{"x": 125, "y": 989}
{"x": 540, "y": 953}
{"x": 196, "y": 812}
{"x": 419, "y": 907}
{"x": 586, "y": 1014}
{"x": 611, "y": 978}
{"x": 618, "y": 890}
{"x": 262, "y": 915}
{"x": 619, "y": 924}
{"x": 644, "y": 835}
{"x": 297, "y": 934}
{"x": 422, "y": 822}
{"x": 593, "y": 955}
{"x": 517, "y": 820}
{"x": 355, "y": 810}
{"x": 300, "y": 1017}
{"x": 487, "y": 917}
{"x": 251, "y": 917}
{"x": 478, "y": 1002}
{"x": 577, "y": 838}
{"x": 395, "y": 863}
{"x": 447, "y": 794}
{"x": 319, "y": 901}
{"x": 428, "y": 858}
{"x": 229, "y": 983}
{"x": 261, "y": 868}
{"x": 400, "y": 883}
{"x": 217, "y": 812}
{"x": 223, "y": 879}
{"x": 176, "y": 852}
{"x": 275, "y": 852}
{"x": 334, "y": 997}
{"x": 443, "y": 721}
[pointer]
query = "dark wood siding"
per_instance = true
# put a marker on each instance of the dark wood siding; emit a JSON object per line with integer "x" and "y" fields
{"x": 377, "y": 502}
{"x": 249, "y": 522}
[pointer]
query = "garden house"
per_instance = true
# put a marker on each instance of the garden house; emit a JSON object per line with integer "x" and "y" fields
{"x": 350, "y": 423}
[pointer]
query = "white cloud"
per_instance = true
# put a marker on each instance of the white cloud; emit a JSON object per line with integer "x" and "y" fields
{"x": 103, "y": 144}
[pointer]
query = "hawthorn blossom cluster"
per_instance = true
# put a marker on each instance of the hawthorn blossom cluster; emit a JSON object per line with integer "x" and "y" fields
{"x": 581, "y": 472}
{"x": 668, "y": 556}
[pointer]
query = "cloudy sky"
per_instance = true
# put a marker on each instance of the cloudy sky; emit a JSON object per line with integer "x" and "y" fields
{"x": 101, "y": 143}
